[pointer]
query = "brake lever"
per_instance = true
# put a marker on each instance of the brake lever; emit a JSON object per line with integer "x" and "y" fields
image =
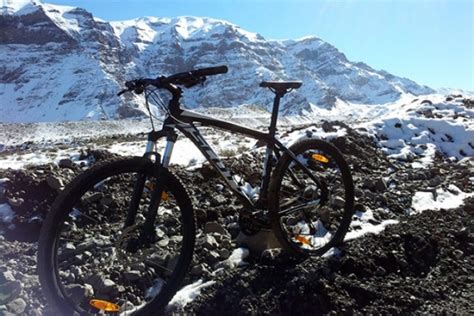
{"x": 195, "y": 81}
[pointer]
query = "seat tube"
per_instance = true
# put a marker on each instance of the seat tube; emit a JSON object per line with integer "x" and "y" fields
{"x": 276, "y": 108}
{"x": 270, "y": 146}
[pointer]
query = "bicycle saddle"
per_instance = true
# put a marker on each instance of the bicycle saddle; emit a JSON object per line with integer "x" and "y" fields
{"x": 281, "y": 85}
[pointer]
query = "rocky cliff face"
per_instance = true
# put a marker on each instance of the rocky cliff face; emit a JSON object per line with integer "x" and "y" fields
{"x": 61, "y": 63}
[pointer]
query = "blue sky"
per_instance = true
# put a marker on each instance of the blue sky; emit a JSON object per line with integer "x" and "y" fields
{"x": 429, "y": 41}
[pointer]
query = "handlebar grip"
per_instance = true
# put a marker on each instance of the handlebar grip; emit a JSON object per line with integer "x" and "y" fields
{"x": 210, "y": 71}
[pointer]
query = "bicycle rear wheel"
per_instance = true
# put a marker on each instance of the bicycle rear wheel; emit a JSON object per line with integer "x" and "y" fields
{"x": 310, "y": 213}
{"x": 90, "y": 262}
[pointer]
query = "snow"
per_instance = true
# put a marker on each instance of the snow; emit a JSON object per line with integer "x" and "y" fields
{"x": 361, "y": 224}
{"x": 368, "y": 228}
{"x": 6, "y": 213}
{"x": 411, "y": 128}
{"x": 188, "y": 293}
{"x": 313, "y": 132}
{"x": 440, "y": 199}
{"x": 81, "y": 84}
{"x": 236, "y": 259}
{"x": 18, "y": 7}
{"x": 155, "y": 289}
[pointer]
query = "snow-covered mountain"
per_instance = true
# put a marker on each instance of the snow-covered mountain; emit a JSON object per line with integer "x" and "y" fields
{"x": 60, "y": 63}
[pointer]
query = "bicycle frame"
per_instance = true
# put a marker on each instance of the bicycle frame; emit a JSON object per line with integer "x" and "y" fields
{"x": 185, "y": 123}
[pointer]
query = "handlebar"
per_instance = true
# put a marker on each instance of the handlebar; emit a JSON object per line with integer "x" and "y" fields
{"x": 187, "y": 79}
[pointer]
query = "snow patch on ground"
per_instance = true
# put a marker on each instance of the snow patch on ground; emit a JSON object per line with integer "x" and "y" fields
{"x": 438, "y": 200}
{"x": 236, "y": 259}
{"x": 188, "y": 293}
{"x": 421, "y": 127}
{"x": 6, "y": 213}
{"x": 313, "y": 132}
{"x": 362, "y": 224}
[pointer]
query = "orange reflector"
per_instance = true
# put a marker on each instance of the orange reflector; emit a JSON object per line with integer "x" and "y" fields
{"x": 303, "y": 240}
{"x": 104, "y": 305}
{"x": 320, "y": 158}
{"x": 150, "y": 185}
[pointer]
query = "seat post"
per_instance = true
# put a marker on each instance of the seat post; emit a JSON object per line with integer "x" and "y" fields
{"x": 276, "y": 107}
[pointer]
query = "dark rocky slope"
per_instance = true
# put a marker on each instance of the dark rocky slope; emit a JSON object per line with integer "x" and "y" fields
{"x": 424, "y": 264}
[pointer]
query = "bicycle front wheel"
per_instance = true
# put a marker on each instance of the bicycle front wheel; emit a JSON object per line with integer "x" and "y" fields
{"x": 92, "y": 257}
{"x": 311, "y": 207}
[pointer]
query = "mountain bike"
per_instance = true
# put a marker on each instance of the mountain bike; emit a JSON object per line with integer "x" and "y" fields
{"x": 120, "y": 237}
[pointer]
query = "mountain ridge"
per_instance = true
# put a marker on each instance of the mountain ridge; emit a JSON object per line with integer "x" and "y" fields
{"x": 62, "y": 63}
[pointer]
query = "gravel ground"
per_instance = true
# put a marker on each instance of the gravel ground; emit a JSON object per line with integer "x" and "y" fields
{"x": 424, "y": 264}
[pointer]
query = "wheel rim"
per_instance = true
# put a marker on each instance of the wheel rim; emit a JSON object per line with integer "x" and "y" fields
{"x": 102, "y": 266}
{"x": 312, "y": 208}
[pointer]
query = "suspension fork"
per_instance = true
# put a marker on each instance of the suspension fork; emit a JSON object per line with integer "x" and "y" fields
{"x": 147, "y": 232}
{"x": 139, "y": 186}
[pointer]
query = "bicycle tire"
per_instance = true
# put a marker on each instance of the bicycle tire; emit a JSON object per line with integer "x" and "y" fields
{"x": 59, "y": 294}
{"x": 319, "y": 156}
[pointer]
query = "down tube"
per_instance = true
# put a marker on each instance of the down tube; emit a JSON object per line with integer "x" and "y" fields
{"x": 193, "y": 133}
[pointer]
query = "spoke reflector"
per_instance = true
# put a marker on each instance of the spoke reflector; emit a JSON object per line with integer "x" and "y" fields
{"x": 152, "y": 186}
{"x": 320, "y": 158}
{"x": 303, "y": 240}
{"x": 104, "y": 305}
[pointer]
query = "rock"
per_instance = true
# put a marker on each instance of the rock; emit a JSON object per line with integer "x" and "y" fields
{"x": 127, "y": 306}
{"x": 217, "y": 200}
{"x": 458, "y": 253}
{"x": 234, "y": 229}
{"x": 212, "y": 257}
{"x": 139, "y": 266}
{"x": 328, "y": 127}
{"x": 6, "y": 276}
{"x": 132, "y": 275}
{"x": 2, "y": 194}
{"x": 108, "y": 286}
{"x": 66, "y": 163}
{"x": 380, "y": 185}
{"x": 16, "y": 202}
{"x": 96, "y": 281}
{"x": 271, "y": 254}
{"x": 199, "y": 269}
{"x": 201, "y": 214}
{"x": 380, "y": 271}
{"x": 17, "y": 306}
{"x": 210, "y": 242}
{"x": 10, "y": 291}
{"x": 54, "y": 183}
{"x": 164, "y": 241}
{"x": 214, "y": 227}
{"x": 94, "y": 197}
{"x": 224, "y": 253}
{"x": 106, "y": 200}
{"x": 78, "y": 292}
{"x": 338, "y": 202}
